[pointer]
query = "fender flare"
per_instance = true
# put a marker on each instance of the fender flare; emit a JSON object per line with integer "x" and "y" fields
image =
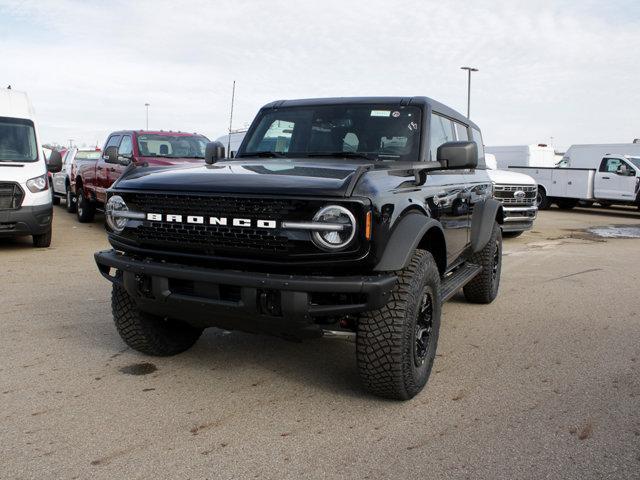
{"x": 405, "y": 238}
{"x": 484, "y": 216}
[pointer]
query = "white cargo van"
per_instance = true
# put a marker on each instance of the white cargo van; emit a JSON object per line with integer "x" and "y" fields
{"x": 232, "y": 141}
{"x": 539, "y": 155}
{"x": 25, "y": 198}
{"x": 590, "y": 155}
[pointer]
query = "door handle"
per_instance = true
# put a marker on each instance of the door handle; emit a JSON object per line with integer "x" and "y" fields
{"x": 112, "y": 169}
{"x": 606, "y": 178}
{"x": 569, "y": 183}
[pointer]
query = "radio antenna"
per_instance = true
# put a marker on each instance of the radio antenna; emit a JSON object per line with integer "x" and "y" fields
{"x": 233, "y": 97}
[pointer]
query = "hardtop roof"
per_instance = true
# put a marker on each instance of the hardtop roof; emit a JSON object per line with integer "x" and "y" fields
{"x": 418, "y": 101}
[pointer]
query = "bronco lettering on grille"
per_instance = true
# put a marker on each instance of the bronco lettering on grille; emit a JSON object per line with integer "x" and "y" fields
{"x": 201, "y": 220}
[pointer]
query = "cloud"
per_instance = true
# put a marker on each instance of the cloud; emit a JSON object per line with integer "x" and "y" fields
{"x": 565, "y": 69}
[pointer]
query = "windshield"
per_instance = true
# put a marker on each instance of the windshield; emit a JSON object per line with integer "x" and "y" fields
{"x": 635, "y": 161}
{"x": 383, "y": 132}
{"x": 172, "y": 146}
{"x": 17, "y": 140}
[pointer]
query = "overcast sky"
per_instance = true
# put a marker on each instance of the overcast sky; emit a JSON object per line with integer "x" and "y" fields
{"x": 564, "y": 69}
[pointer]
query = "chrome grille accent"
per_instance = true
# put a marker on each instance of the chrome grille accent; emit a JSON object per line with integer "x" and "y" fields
{"x": 504, "y": 194}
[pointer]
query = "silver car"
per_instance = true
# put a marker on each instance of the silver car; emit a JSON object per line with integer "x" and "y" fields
{"x": 61, "y": 179}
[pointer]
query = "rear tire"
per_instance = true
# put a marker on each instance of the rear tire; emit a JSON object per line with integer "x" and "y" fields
{"x": 150, "y": 334}
{"x": 71, "y": 201}
{"x": 396, "y": 345}
{"x": 43, "y": 240}
{"x": 484, "y": 287}
{"x": 542, "y": 201}
{"x": 566, "y": 203}
{"x": 85, "y": 210}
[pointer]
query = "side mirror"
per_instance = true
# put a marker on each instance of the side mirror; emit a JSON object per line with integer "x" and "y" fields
{"x": 213, "y": 152}
{"x": 110, "y": 155}
{"x": 54, "y": 165}
{"x": 458, "y": 155}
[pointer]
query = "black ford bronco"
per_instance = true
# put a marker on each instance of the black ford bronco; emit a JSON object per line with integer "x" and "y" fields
{"x": 345, "y": 216}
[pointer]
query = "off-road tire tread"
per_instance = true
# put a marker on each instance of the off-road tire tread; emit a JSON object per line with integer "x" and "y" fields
{"x": 147, "y": 333}
{"x": 481, "y": 288}
{"x": 384, "y": 342}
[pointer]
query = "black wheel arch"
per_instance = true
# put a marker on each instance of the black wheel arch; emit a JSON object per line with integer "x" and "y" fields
{"x": 414, "y": 230}
{"x": 484, "y": 216}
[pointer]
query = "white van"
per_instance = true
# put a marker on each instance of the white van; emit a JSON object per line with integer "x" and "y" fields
{"x": 539, "y": 155}
{"x": 232, "y": 144}
{"x": 591, "y": 155}
{"x": 25, "y": 198}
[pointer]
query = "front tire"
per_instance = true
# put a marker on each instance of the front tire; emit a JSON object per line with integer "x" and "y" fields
{"x": 43, "y": 240}
{"x": 542, "y": 201}
{"x": 512, "y": 234}
{"x": 149, "y": 334}
{"x": 484, "y": 287}
{"x": 55, "y": 200}
{"x": 85, "y": 210}
{"x": 396, "y": 345}
{"x": 71, "y": 201}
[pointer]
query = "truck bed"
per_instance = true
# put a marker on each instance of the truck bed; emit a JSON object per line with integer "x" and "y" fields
{"x": 575, "y": 183}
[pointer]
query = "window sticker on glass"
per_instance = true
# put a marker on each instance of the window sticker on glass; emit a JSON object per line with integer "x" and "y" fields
{"x": 380, "y": 113}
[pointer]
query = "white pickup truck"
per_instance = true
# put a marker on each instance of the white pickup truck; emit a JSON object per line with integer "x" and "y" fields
{"x": 615, "y": 180}
{"x": 517, "y": 192}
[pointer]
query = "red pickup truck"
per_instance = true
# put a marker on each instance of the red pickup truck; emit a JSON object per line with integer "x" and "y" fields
{"x": 90, "y": 179}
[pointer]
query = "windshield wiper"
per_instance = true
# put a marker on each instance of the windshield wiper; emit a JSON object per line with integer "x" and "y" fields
{"x": 341, "y": 155}
{"x": 264, "y": 153}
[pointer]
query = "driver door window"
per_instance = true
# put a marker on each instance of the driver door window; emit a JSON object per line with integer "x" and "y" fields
{"x": 441, "y": 131}
{"x": 126, "y": 146}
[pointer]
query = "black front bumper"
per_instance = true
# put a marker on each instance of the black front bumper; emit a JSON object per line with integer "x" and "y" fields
{"x": 33, "y": 220}
{"x": 238, "y": 300}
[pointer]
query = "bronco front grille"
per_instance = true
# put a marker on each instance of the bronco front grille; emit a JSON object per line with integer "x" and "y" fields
{"x": 506, "y": 194}
{"x": 224, "y": 240}
{"x": 11, "y": 196}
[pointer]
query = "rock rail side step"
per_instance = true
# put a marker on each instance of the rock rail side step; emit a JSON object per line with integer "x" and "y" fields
{"x": 457, "y": 279}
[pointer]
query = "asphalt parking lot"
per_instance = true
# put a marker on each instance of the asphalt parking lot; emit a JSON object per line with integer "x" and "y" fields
{"x": 543, "y": 383}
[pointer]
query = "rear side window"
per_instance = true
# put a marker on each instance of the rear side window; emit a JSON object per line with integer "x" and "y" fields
{"x": 477, "y": 137}
{"x": 441, "y": 131}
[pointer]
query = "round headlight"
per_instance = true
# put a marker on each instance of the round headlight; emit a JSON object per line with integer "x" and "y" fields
{"x": 113, "y": 210}
{"x": 339, "y": 229}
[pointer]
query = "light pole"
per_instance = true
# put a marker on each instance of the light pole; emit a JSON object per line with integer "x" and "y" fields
{"x": 469, "y": 70}
{"x": 146, "y": 105}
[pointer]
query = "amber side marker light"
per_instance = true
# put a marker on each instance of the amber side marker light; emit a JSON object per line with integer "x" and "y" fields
{"x": 367, "y": 226}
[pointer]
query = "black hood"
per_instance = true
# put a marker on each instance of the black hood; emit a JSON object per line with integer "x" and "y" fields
{"x": 325, "y": 177}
